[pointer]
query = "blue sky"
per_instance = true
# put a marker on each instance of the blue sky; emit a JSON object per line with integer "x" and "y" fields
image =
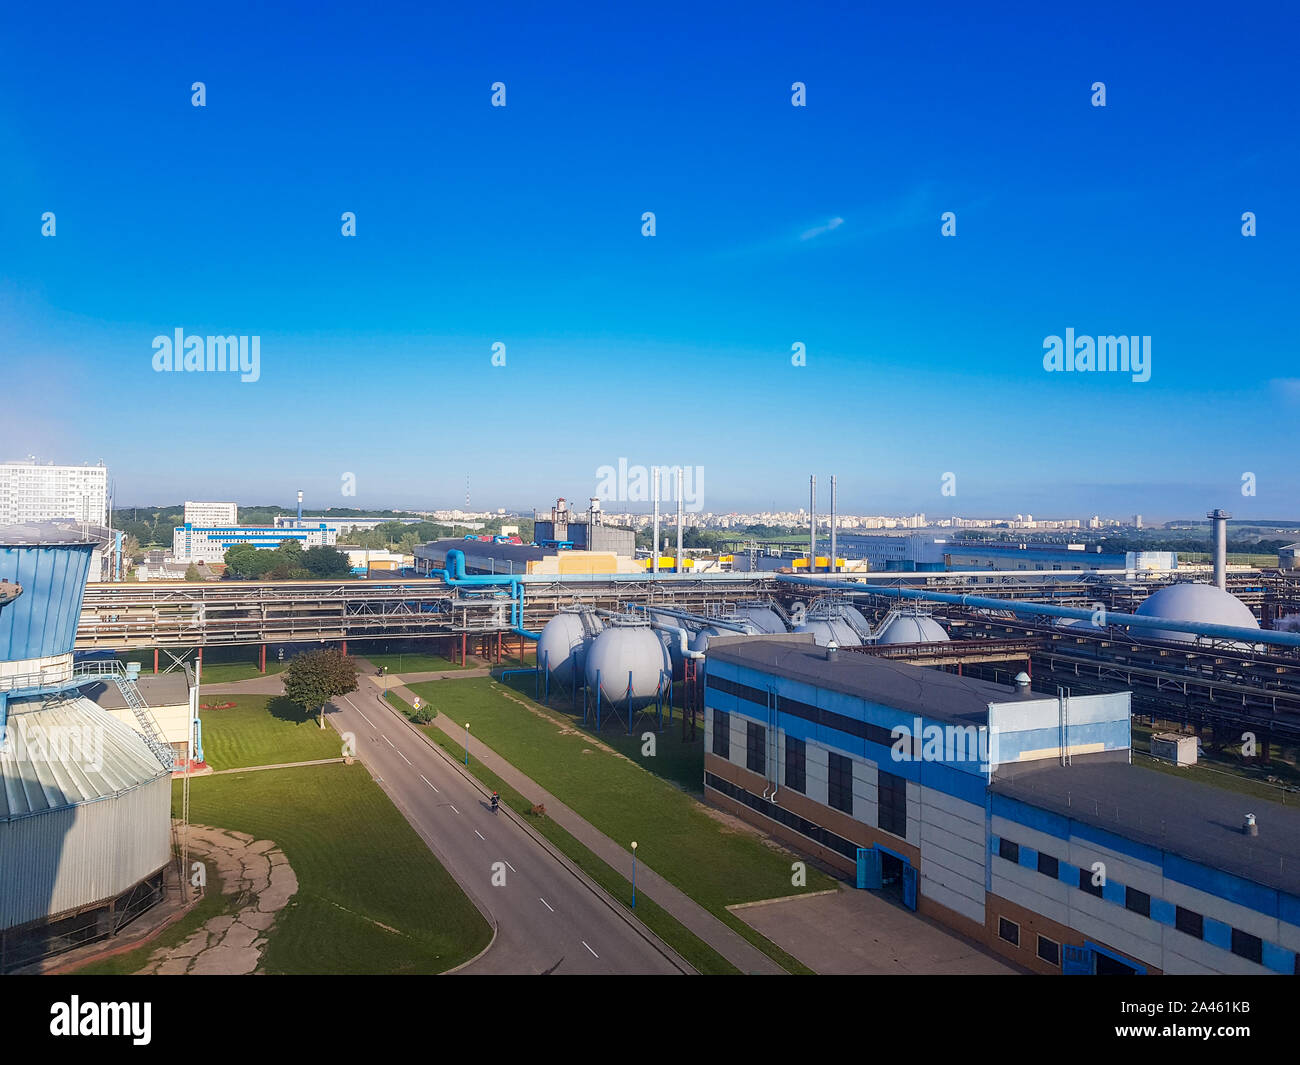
{"x": 522, "y": 225}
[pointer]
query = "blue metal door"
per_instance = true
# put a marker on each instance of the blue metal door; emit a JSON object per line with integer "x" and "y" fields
{"x": 868, "y": 869}
{"x": 909, "y": 886}
{"x": 1076, "y": 961}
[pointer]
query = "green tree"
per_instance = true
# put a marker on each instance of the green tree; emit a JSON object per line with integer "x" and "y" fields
{"x": 315, "y": 677}
{"x": 326, "y": 562}
{"x": 192, "y": 573}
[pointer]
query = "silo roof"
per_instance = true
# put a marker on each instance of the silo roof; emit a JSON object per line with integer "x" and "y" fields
{"x": 64, "y": 751}
{"x": 44, "y": 534}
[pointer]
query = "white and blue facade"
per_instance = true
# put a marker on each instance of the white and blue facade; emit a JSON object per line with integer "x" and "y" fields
{"x": 912, "y": 779}
{"x": 209, "y": 543}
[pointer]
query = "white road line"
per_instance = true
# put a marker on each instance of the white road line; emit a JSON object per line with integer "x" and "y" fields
{"x": 454, "y": 808}
{"x": 480, "y": 835}
{"x": 390, "y": 743}
{"x": 429, "y": 782}
{"x": 403, "y": 757}
{"x": 547, "y": 905}
{"x": 593, "y": 953}
{"x": 510, "y": 867}
{"x": 358, "y": 710}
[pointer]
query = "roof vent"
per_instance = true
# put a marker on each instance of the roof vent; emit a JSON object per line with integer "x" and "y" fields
{"x": 1022, "y": 683}
{"x": 1250, "y": 828}
{"x": 832, "y": 651}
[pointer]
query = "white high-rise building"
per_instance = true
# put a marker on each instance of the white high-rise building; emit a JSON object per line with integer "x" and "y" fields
{"x": 211, "y": 513}
{"x": 31, "y": 491}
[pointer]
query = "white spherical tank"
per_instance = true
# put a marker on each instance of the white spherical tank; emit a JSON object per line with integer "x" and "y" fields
{"x": 764, "y": 618}
{"x": 826, "y": 630}
{"x": 913, "y": 628}
{"x": 1194, "y": 602}
{"x": 561, "y": 648}
{"x": 628, "y": 652}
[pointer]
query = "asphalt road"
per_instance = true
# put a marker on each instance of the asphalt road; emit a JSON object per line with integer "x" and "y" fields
{"x": 548, "y": 920}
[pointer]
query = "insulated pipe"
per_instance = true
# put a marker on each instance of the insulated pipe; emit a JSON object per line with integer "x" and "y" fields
{"x": 654, "y": 564}
{"x": 454, "y": 574}
{"x": 1135, "y": 621}
{"x": 685, "y": 615}
{"x": 679, "y": 519}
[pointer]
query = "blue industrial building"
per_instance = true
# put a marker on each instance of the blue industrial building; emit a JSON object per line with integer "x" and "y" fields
{"x": 1013, "y": 817}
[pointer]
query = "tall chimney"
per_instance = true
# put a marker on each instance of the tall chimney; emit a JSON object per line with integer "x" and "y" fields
{"x": 679, "y": 519}
{"x": 812, "y": 523}
{"x": 834, "y": 557}
{"x": 299, "y": 508}
{"x": 1220, "y": 518}
{"x": 654, "y": 564}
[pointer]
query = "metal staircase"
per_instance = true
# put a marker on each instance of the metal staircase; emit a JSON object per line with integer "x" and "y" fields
{"x": 145, "y": 721}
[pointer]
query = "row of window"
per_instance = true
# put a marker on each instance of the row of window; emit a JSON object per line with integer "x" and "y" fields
{"x": 781, "y": 815}
{"x": 851, "y": 726}
{"x": 1049, "y": 950}
{"x": 891, "y": 789}
{"x": 1186, "y": 921}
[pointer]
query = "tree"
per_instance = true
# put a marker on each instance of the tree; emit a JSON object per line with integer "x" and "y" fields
{"x": 192, "y": 573}
{"x": 326, "y": 562}
{"x": 315, "y": 677}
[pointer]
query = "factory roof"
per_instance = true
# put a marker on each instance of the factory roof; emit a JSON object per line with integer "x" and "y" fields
{"x": 478, "y": 553}
{"x": 64, "y": 751}
{"x": 928, "y": 692}
{"x": 169, "y": 689}
{"x": 1197, "y": 821}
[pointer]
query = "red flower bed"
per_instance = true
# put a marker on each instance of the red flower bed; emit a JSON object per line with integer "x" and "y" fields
{"x": 216, "y": 706}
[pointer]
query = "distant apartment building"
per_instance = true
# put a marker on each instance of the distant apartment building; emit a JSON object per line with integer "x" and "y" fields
{"x": 35, "y": 492}
{"x": 195, "y": 543}
{"x": 211, "y": 513}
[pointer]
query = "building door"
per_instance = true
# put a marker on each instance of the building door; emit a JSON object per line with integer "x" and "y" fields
{"x": 868, "y": 869}
{"x": 909, "y": 886}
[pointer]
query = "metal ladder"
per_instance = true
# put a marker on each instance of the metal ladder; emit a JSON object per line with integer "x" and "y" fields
{"x": 144, "y": 719}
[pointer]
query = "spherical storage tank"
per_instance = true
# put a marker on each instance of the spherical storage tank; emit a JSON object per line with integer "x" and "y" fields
{"x": 1194, "y": 602}
{"x": 913, "y": 628}
{"x": 628, "y": 649}
{"x": 562, "y": 648}
{"x": 828, "y": 630}
{"x": 762, "y": 616}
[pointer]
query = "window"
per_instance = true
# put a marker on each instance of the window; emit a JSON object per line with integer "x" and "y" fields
{"x": 839, "y": 782}
{"x": 1137, "y": 901}
{"x": 796, "y": 765}
{"x": 892, "y": 795}
{"x": 755, "y": 748}
{"x": 1049, "y": 950}
{"x": 1247, "y": 946}
{"x": 722, "y": 733}
{"x": 1086, "y": 884}
{"x": 1189, "y": 921}
{"x": 1009, "y": 930}
{"x": 1048, "y": 865}
{"x": 1008, "y": 850}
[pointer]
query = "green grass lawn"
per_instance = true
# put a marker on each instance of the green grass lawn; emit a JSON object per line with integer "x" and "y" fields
{"x": 262, "y": 730}
{"x": 677, "y": 837}
{"x": 372, "y": 899}
{"x": 414, "y": 663}
{"x": 221, "y": 665}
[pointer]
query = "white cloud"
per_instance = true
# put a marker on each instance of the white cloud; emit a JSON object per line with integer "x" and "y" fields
{"x": 817, "y": 231}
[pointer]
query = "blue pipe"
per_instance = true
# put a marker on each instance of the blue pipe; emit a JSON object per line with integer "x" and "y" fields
{"x": 453, "y": 573}
{"x": 1023, "y": 607}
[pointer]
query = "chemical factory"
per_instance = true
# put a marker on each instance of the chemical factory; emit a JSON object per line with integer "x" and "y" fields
{"x": 85, "y": 793}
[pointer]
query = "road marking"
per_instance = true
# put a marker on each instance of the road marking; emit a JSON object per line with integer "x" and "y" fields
{"x": 358, "y": 710}
{"x": 480, "y": 835}
{"x": 430, "y": 783}
{"x": 403, "y": 757}
{"x": 454, "y": 808}
{"x": 545, "y": 903}
{"x": 510, "y": 867}
{"x": 389, "y": 742}
{"x": 593, "y": 953}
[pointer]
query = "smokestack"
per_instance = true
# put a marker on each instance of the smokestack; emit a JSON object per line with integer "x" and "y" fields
{"x": 654, "y": 564}
{"x": 834, "y": 557}
{"x": 300, "y": 507}
{"x": 812, "y": 523}
{"x": 679, "y": 519}
{"x": 1220, "y": 518}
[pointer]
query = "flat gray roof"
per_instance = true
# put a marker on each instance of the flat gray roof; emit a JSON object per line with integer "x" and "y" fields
{"x": 1189, "y": 818}
{"x": 478, "y": 552}
{"x": 931, "y": 693}
{"x": 167, "y": 689}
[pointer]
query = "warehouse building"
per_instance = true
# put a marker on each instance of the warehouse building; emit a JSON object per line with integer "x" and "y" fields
{"x": 209, "y": 543}
{"x": 1013, "y": 817}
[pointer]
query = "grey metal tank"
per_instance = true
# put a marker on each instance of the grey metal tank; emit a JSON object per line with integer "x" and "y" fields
{"x": 826, "y": 630}
{"x": 766, "y": 619}
{"x": 628, "y": 649}
{"x": 562, "y": 647}
{"x": 913, "y": 628}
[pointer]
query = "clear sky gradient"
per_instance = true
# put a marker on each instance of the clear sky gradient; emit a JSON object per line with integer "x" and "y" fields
{"x": 522, "y": 225}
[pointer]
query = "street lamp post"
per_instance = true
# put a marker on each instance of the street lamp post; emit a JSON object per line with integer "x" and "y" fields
{"x": 467, "y": 743}
{"x": 634, "y": 874}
